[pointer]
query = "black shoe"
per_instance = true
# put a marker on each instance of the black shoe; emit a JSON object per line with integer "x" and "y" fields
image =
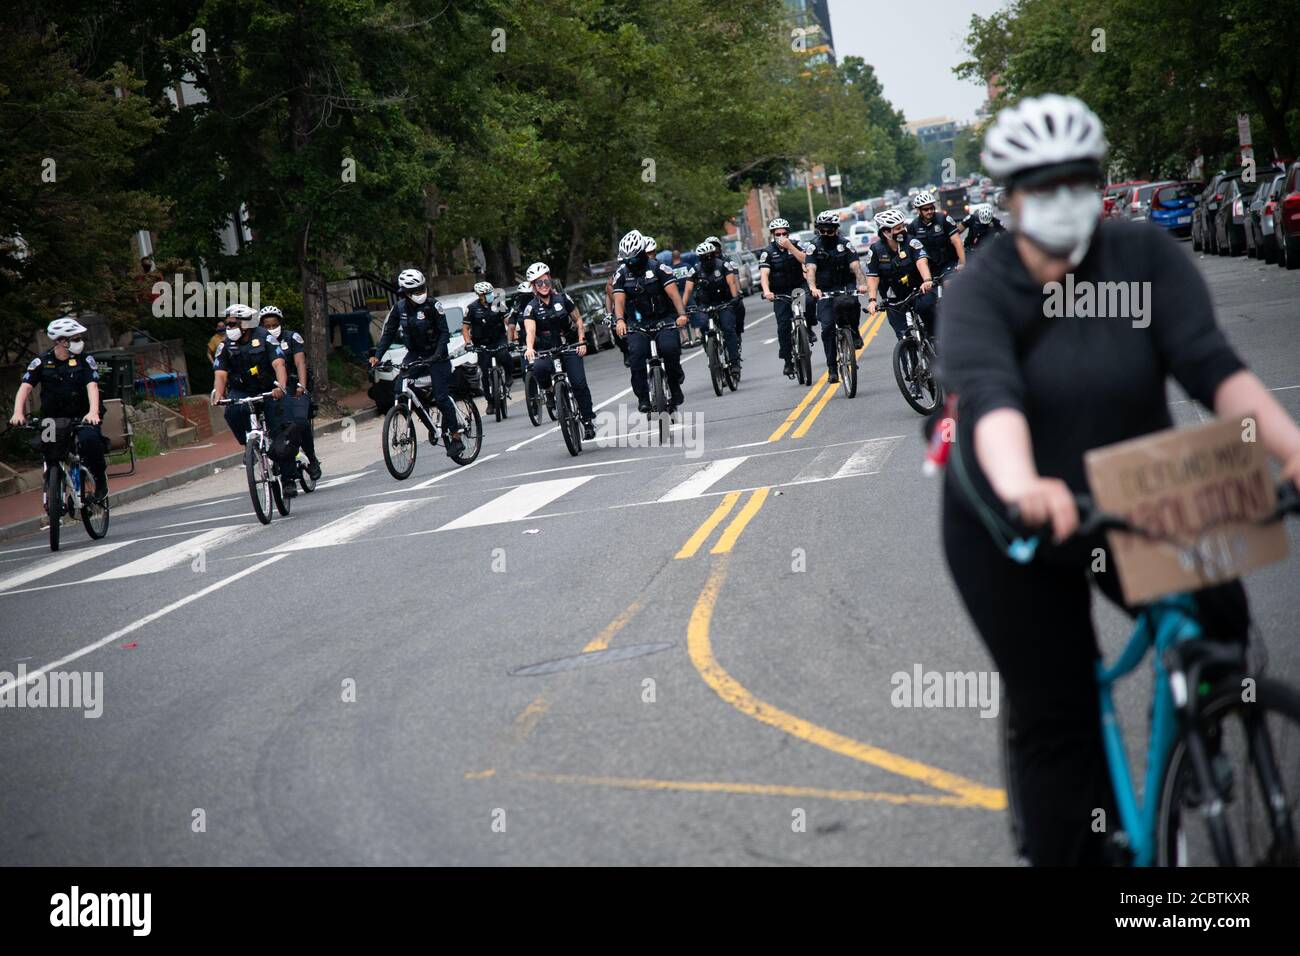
{"x": 313, "y": 471}
{"x": 643, "y": 408}
{"x": 833, "y": 378}
{"x": 812, "y": 337}
{"x": 290, "y": 487}
{"x": 681, "y": 376}
{"x": 455, "y": 448}
{"x": 678, "y": 398}
{"x": 789, "y": 369}
{"x": 627, "y": 362}
{"x": 589, "y": 430}
{"x": 857, "y": 339}
{"x": 100, "y": 495}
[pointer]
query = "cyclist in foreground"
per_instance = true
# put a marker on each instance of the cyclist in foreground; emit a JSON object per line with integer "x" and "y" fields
{"x": 547, "y": 321}
{"x": 1034, "y": 395}
{"x": 69, "y": 384}
{"x": 833, "y": 266}
{"x": 780, "y": 272}
{"x": 645, "y": 291}
{"x": 423, "y": 325}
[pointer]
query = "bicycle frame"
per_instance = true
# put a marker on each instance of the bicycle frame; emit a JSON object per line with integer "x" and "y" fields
{"x": 434, "y": 415}
{"x": 1167, "y": 622}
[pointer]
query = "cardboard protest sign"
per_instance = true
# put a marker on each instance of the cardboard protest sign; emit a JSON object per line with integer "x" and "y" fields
{"x": 1206, "y": 486}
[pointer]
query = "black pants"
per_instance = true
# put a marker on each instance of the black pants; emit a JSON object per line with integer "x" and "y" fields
{"x": 924, "y": 306}
{"x": 571, "y": 362}
{"x": 90, "y": 446}
{"x": 669, "y": 342}
{"x": 440, "y": 378}
{"x": 1036, "y": 621}
{"x": 500, "y": 350}
{"x": 288, "y": 424}
{"x": 784, "y": 312}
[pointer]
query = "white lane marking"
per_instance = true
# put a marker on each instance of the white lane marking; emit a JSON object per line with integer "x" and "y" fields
{"x": 869, "y": 459}
{"x": 182, "y": 524}
{"x": 705, "y": 477}
{"x": 547, "y": 471}
{"x": 342, "y": 479}
{"x": 34, "y": 547}
{"x": 58, "y": 564}
{"x": 458, "y": 470}
{"x": 342, "y": 530}
{"x": 748, "y": 444}
{"x": 827, "y": 463}
{"x": 209, "y": 504}
{"x": 518, "y": 503}
{"x": 768, "y": 341}
{"x": 172, "y": 555}
{"x": 136, "y": 625}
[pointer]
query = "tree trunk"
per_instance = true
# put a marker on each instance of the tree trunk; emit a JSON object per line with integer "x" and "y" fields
{"x": 496, "y": 252}
{"x": 1274, "y": 115}
{"x": 315, "y": 319}
{"x": 577, "y": 247}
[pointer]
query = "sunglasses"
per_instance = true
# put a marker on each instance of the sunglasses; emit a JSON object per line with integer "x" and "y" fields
{"x": 780, "y": 235}
{"x": 541, "y": 282}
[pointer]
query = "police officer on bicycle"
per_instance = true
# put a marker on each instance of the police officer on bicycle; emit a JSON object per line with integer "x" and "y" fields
{"x": 938, "y": 233}
{"x": 833, "y": 266}
{"x": 423, "y": 325}
{"x": 780, "y": 272}
{"x": 69, "y": 384}
{"x": 485, "y": 326}
{"x": 650, "y": 288}
{"x": 298, "y": 402}
{"x": 547, "y": 325}
{"x": 712, "y": 283}
{"x": 249, "y": 363}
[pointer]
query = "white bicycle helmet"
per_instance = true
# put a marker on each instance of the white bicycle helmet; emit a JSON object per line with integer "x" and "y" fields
{"x": 524, "y": 287}
{"x": 631, "y": 245}
{"x": 706, "y": 248}
{"x": 410, "y": 279}
{"x": 237, "y": 310}
{"x": 715, "y": 241}
{"x": 650, "y": 245}
{"x": 64, "y": 327}
{"x": 1058, "y": 134}
{"x": 269, "y": 310}
{"x": 482, "y": 288}
{"x": 889, "y": 219}
{"x": 923, "y": 198}
{"x": 828, "y": 218}
{"x": 984, "y": 213}
{"x": 776, "y": 224}
{"x": 536, "y": 271}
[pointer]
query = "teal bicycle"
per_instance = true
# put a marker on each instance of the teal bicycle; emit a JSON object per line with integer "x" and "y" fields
{"x": 1222, "y": 779}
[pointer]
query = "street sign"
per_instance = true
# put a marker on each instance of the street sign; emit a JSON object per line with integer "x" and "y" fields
{"x": 1243, "y": 129}
{"x": 835, "y": 181}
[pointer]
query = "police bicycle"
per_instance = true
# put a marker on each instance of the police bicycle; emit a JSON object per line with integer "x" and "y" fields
{"x": 66, "y": 482}
{"x": 915, "y": 358}
{"x": 265, "y": 483}
{"x": 534, "y": 395}
{"x": 561, "y": 398}
{"x": 495, "y": 384}
{"x": 846, "y": 355}
{"x": 800, "y": 340}
{"x": 416, "y": 400}
{"x": 660, "y": 407}
{"x": 721, "y": 371}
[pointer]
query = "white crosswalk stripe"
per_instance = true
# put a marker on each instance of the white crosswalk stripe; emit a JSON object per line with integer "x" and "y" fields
{"x": 180, "y": 553}
{"x": 344, "y": 529}
{"x": 703, "y": 479}
{"x": 870, "y": 458}
{"x": 56, "y": 564}
{"x": 518, "y": 503}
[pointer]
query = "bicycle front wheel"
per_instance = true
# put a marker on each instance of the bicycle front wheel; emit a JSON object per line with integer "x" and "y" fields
{"x": 399, "y": 442}
{"x": 93, "y": 516}
{"x": 570, "y": 427}
{"x": 472, "y": 435}
{"x": 532, "y": 399}
{"x": 848, "y": 364}
{"x": 1253, "y": 750}
{"x": 305, "y": 481}
{"x": 803, "y": 354}
{"x": 497, "y": 392}
{"x": 259, "y": 484}
{"x": 715, "y": 365}
{"x": 282, "y": 500}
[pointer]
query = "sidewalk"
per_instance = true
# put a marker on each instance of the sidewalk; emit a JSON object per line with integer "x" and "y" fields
{"x": 23, "y": 513}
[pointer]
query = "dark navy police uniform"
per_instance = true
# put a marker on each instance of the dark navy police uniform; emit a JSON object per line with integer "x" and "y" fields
{"x": 711, "y": 287}
{"x": 553, "y": 330}
{"x": 899, "y": 278}
{"x": 427, "y": 339}
{"x": 63, "y": 395}
{"x": 784, "y": 275}
{"x": 833, "y": 257}
{"x": 644, "y": 283}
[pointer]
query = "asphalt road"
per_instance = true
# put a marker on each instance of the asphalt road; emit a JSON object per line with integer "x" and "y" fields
{"x": 716, "y": 624}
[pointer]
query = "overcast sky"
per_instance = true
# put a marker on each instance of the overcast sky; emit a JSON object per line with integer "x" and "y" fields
{"x": 885, "y": 34}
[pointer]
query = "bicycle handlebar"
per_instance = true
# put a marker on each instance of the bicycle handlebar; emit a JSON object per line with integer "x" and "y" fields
{"x": 250, "y": 400}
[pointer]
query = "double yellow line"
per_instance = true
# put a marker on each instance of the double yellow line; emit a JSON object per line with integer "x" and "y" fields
{"x": 732, "y": 533}
{"x": 874, "y": 321}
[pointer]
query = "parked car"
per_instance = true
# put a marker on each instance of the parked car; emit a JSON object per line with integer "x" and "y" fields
{"x": 1170, "y": 206}
{"x": 1112, "y": 193}
{"x": 1259, "y": 217}
{"x": 1134, "y": 205}
{"x": 1206, "y": 209}
{"x": 749, "y": 261}
{"x": 743, "y": 275}
{"x": 803, "y": 236}
{"x": 862, "y": 235}
{"x": 1286, "y": 220}
{"x": 1230, "y": 218}
{"x": 453, "y": 307}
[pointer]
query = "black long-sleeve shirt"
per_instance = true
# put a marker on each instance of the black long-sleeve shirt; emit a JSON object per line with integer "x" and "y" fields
{"x": 1081, "y": 382}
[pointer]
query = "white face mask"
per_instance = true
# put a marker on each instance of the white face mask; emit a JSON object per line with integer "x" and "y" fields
{"x": 76, "y": 347}
{"x": 234, "y": 334}
{"x": 419, "y": 298}
{"x": 272, "y": 333}
{"x": 1062, "y": 221}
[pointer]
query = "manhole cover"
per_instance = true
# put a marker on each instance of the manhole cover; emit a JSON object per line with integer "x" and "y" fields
{"x": 590, "y": 659}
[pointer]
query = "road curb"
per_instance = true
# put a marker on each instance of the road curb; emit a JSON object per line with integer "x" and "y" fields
{"x": 182, "y": 477}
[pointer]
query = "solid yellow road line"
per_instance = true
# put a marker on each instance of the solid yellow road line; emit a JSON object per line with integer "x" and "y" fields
{"x": 480, "y": 774}
{"x": 601, "y": 641}
{"x": 749, "y": 789}
{"x": 726, "y": 687}
{"x": 830, "y": 392}
{"x": 712, "y": 521}
{"x": 729, "y": 537}
{"x": 798, "y": 409}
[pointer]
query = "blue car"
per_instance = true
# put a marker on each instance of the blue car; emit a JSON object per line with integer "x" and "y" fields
{"x": 1172, "y": 204}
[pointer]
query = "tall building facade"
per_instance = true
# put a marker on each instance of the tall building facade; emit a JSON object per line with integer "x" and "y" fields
{"x": 813, "y": 19}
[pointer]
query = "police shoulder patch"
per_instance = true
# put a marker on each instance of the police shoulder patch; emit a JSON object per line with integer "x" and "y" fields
{"x": 870, "y": 254}
{"x": 762, "y": 256}
{"x": 297, "y": 338}
{"x": 808, "y": 248}
{"x": 916, "y": 244}
{"x": 35, "y": 363}
{"x": 90, "y": 360}
{"x": 437, "y": 306}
